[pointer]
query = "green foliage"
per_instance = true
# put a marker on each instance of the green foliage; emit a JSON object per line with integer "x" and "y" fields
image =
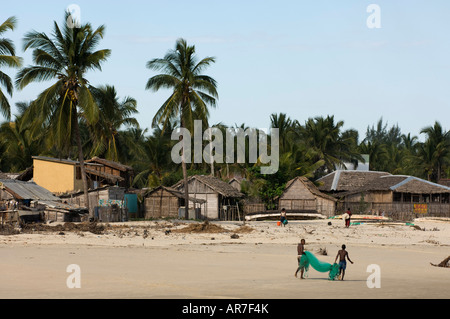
{"x": 107, "y": 125}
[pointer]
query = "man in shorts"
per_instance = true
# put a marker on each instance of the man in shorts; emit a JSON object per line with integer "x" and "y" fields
{"x": 301, "y": 257}
{"x": 343, "y": 256}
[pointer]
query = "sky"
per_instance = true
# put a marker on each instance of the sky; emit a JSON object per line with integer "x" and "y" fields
{"x": 302, "y": 58}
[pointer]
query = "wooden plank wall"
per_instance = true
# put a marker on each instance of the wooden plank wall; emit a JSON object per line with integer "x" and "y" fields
{"x": 161, "y": 204}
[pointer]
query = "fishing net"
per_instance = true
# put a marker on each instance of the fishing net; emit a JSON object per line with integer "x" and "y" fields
{"x": 308, "y": 259}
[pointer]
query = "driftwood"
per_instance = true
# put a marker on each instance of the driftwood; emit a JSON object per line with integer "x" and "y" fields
{"x": 445, "y": 263}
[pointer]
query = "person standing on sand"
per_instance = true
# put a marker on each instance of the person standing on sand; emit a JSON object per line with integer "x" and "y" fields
{"x": 301, "y": 258}
{"x": 347, "y": 217}
{"x": 343, "y": 255}
{"x": 283, "y": 217}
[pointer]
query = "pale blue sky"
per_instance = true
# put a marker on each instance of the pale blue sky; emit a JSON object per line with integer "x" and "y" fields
{"x": 303, "y": 58}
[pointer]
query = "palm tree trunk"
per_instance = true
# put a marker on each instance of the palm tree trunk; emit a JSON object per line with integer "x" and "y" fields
{"x": 81, "y": 160}
{"x": 185, "y": 178}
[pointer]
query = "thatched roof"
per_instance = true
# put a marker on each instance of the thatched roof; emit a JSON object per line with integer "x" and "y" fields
{"x": 401, "y": 184}
{"x": 175, "y": 193}
{"x": 309, "y": 185}
{"x": 416, "y": 185}
{"x": 445, "y": 182}
{"x": 216, "y": 184}
{"x": 116, "y": 165}
{"x": 347, "y": 180}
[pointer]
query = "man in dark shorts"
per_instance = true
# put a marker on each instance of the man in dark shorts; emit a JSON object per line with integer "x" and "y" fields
{"x": 343, "y": 255}
{"x": 301, "y": 253}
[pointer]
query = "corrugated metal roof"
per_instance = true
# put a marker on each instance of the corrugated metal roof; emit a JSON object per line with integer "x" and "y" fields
{"x": 27, "y": 190}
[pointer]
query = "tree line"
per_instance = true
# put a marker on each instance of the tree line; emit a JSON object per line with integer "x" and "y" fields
{"x": 73, "y": 119}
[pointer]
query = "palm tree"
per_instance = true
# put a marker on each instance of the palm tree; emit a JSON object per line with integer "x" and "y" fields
{"x": 438, "y": 146}
{"x": 66, "y": 58}
{"x": 113, "y": 115}
{"x": 20, "y": 144}
{"x": 286, "y": 129}
{"x": 154, "y": 159}
{"x": 7, "y": 58}
{"x": 192, "y": 91}
{"x": 326, "y": 142}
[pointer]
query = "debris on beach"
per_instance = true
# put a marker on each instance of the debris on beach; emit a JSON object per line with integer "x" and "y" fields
{"x": 205, "y": 227}
{"x": 445, "y": 263}
{"x": 244, "y": 229}
{"x": 66, "y": 227}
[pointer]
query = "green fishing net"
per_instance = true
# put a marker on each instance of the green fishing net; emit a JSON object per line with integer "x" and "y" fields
{"x": 308, "y": 259}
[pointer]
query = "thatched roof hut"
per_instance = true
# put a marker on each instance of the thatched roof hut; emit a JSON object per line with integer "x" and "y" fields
{"x": 401, "y": 184}
{"x": 301, "y": 195}
{"x": 165, "y": 201}
{"x": 398, "y": 193}
{"x": 221, "y": 198}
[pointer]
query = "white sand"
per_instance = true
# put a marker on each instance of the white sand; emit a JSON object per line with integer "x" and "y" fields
{"x": 123, "y": 264}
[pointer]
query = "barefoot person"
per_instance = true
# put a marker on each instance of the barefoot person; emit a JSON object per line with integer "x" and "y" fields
{"x": 343, "y": 255}
{"x": 301, "y": 258}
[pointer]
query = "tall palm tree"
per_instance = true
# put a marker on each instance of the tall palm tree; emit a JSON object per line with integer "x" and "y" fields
{"x": 113, "y": 115}
{"x": 9, "y": 59}
{"x": 66, "y": 58}
{"x": 192, "y": 91}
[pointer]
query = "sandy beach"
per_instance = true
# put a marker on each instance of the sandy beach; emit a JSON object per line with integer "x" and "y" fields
{"x": 178, "y": 259}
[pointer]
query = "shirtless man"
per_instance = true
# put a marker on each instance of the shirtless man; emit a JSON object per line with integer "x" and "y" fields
{"x": 301, "y": 253}
{"x": 342, "y": 254}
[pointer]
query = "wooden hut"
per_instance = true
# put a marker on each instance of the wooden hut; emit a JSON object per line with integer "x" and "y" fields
{"x": 392, "y": 194}
{"x": 221, "y": 199}
{"x": 34, "y": 203}
{"x": 163, "y": 202}
{"x": 302, "y": 196}
{"x": 106, "y": 172}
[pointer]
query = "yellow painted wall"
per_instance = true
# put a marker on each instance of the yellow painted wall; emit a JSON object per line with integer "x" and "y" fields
{"x": 56, "y": 177}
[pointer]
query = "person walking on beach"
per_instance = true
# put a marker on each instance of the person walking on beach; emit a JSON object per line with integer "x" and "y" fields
{"x": 301, "y": 258}
{"x": 283, "y": 218}
{"x": 347, "y": 217}
{"x": 343, "y": 256}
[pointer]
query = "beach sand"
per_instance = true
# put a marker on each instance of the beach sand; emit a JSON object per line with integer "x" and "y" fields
{"x": 178, "y": 260}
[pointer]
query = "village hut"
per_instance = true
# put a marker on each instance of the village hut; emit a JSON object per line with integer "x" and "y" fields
{"x": 395, "y": 194}
{"x": 108, "y": 172}
{"x": 302, "y": 196}
{"x": 31, "y": 202}
{"x": 107, "y": 203}
{"x": 165, "y": 202}
{"x": 221, "y": 199}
